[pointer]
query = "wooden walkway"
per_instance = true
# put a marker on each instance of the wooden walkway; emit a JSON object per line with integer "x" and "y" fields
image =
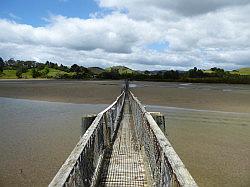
{"x": 124, "y": 165}
{"x": 97, "y": 161}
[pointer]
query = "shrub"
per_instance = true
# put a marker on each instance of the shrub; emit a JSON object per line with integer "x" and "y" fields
{"x": 19, "y": 73}
{"x": 35, "y": 73}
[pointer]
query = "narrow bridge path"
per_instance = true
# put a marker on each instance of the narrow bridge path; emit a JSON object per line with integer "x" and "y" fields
{"x": 138, "y": 155}
{"x": 124, "y": 165}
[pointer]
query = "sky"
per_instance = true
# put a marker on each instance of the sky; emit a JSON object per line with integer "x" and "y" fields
{"x": 140, "y": 34}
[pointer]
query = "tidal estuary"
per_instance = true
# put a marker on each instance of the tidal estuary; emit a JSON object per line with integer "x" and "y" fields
{"x": 207, "y": 124}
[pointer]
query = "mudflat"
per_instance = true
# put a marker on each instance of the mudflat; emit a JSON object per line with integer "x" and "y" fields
{"x": 222, "y": 97}
{"x": 79, "y": 92}
{"x": 207, "y": 124}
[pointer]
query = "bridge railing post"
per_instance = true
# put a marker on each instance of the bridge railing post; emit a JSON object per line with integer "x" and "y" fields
{"x": 87, "y": 120}
{"x": 107, "y": 132}
{"x": 160, "y": 120}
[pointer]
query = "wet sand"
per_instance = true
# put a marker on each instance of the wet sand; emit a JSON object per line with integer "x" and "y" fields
{"x": 214, "y": 146}
{"x": 93, "y": 92}
{"x": 222, "y": 97}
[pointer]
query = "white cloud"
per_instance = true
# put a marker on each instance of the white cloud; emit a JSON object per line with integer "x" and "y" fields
{"x": 74, "y": 33}
{"x": 183, "y": 7}
{"x": 217, "y": 35}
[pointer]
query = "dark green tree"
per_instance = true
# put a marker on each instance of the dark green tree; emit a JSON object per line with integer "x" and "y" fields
{"x": 195, "y": 73}
{"x": 171, "y": 74}
{"x": 19, "y": 73}
{"x": 35, "y": 73}
{"x": 63, "y": 68}
{"x": 75, "y": 68}
{"x": 2, "y": 64}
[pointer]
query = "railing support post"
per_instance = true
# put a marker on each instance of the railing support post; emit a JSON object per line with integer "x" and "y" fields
{"x": 107, "y": 131}
{"x": 86, "y": 122}
{"x": 160, "y": 120}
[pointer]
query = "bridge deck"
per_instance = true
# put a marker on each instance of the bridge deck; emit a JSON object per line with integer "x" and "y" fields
{"x": 124, "y": 165}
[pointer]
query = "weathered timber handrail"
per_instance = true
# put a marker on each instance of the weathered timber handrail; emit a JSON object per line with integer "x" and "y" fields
{"x": 83, "y": 165}
{"x": 166, "y": 167}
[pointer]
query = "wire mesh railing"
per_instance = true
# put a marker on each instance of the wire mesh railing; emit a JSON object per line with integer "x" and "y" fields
{"x": 82, "y": 167}
{"x": 166, "y": 168}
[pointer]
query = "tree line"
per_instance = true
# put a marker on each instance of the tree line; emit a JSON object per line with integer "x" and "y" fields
{"x": 194, "y": 75}
{"x": 41, "y": 70}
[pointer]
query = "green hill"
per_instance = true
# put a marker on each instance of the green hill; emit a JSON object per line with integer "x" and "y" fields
{"x": 121, "y": 69}
{"x": 242, "y": 71}
{"x": 11, "y": 74}
{"x": 96, "y": 70}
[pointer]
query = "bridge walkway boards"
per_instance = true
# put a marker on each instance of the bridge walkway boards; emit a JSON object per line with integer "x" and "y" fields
{"x": 123, "y": 165}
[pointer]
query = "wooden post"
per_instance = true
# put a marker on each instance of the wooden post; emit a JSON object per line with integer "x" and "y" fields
{"x": 160, "y": 120}
{"x": 107, "y": 132}
{"x": 86, "y": 122}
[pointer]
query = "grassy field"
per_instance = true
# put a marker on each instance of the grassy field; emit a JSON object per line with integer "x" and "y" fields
{"x": 242, "y": 71}
{"x": 54, "y": 72}
{"x": 11, "y": 74}
{"x": 27, "y": 75}
{"x": 8, "y": 74}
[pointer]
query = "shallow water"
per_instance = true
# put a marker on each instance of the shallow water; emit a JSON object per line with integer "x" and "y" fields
{"x": 36, "y": 138}
{"x": 214, "y": 145}
{"x": 239, "y": 88}
{"x": 208, "y": 125}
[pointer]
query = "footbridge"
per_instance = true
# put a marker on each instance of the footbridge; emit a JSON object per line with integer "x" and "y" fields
{"x": 123, "y": 146}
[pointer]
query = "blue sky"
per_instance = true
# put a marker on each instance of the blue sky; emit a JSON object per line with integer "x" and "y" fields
{"x": 140, "y": 34}
{"x": 33, "y": 12}
{"x": 158, "y": 46}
